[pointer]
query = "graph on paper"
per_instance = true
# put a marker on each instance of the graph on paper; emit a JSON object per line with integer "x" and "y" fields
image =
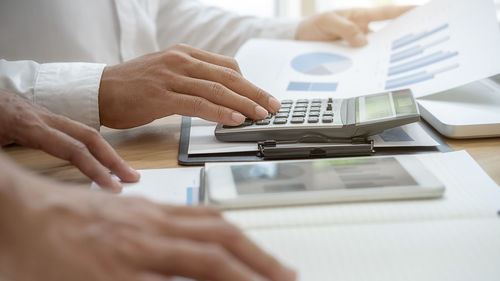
{"x": 319, "y": 63}
{"x": 419, "y": 57}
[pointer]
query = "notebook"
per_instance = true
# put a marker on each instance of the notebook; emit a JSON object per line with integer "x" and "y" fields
{"x": 456, "y": 237}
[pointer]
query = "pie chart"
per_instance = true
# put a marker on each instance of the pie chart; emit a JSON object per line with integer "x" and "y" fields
{"x": 319, "y": 63}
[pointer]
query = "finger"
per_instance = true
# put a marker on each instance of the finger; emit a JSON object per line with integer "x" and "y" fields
{"x": 337, "y": 25}
{"x": 234, "y": 81}
{"x": 192, "y": 259}
{"x": 201, "y": 211}
{"x": 216, "y": 230}
{"x": 96, "y": 144}
{"x": 213, "y": 58}
{"x": 382, "y": 13}
{"x": 149, "y": 276}
{"x": 65, "y": 147}
{"x": 220, "y": 95}
{"x": 198, "y": 107}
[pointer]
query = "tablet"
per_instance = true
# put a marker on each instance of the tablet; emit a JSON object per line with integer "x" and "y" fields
{"x": 243, "y": 185}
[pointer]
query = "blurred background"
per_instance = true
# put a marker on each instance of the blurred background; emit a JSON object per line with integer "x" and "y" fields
{"x": 298, "y": 8}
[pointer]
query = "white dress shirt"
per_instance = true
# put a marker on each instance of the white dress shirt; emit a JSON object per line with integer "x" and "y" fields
{"x": 53, "y": 52}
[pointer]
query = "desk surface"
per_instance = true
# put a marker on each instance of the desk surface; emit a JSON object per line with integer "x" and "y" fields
{"x": 154, "y": 146}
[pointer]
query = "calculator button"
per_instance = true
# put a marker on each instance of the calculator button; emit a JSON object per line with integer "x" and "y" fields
{"x": 327, "y": 119}
{"x": 286, "y": 101}
{"x": 248, "y": 122}
{"x": 297, "y": 120}
{"x": 314, "y": 113}
{"x": 282, "y": 115}
{"x": 316, "y": 101}
{"x": 263, "y": 122}
{"x": 280, "y": 121}
{"x": 300, "y": 109}
{"x": 330, "y": 100}
{"x": 302, "y": 101}
{"x": 313, "y": 119}
{"x": 287, "y": 105}
{"x": 300, "y": 106}
{"x": 315, "y": 108}
{"x": 329, "y": 107}
{"x": 328, "y": 113}
{"x": 284, "y": 110}
{"x": 299, "y": 114}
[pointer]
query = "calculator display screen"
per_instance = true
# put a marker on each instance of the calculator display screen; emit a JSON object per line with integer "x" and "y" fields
{"x": 385, "y": 105}
{"x": 320, "y": 175}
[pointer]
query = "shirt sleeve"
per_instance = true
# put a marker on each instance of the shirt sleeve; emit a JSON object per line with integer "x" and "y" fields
{"x": 214, "y": 29}
{"x": 69, "y": 89}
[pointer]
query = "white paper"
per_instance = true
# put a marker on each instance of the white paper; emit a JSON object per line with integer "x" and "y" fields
{"x": 167, "y": 186}
{"x": 470, "y": 193}
{"x": 202, "y": 139}
{"x": 459, "y": 250}
{"x": 435, "y": 47}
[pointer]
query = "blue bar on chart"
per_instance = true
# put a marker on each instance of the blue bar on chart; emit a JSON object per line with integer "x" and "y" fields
{"x": 189, "y": 196}
{"x": 421, "y": 62}
{"x": 405, "y": 81}
{"x": 408, "y": 80}
{"x": 312, "y": 86}
{"x": 416, "y": 50}
{"x": 412, "y": 38}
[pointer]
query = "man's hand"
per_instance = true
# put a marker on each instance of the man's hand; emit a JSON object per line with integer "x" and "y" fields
{"x": 61, "y": 233}
{"x": 27, "y": 124}
{"x": 180, "y": 80}
{"x": 349, "y": 25}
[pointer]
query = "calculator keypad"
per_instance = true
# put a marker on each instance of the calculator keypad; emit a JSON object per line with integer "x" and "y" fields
{"x": 299, "y": 112}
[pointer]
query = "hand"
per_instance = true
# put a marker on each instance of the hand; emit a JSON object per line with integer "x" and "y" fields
{"x": 349, "y": 25}
{"x": 27, "y": 124}
{"x": 60, "y": 233}
{"x": 180, "y": 80}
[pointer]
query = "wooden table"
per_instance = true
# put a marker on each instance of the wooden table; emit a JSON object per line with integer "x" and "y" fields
{"x": 155, "y": 146}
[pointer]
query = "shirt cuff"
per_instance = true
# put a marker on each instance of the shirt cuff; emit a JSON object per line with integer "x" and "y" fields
{"x": 70, "y": 89}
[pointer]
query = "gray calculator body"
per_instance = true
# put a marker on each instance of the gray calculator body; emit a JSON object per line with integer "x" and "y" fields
{"x": 328, "y": 120}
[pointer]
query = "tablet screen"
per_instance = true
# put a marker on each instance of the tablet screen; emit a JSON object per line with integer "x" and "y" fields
{"x": 320, "y": 175}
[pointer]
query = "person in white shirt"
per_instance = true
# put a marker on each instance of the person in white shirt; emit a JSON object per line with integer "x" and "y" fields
{"x": 121, "y": 64}
{"x": 125, "y": 63}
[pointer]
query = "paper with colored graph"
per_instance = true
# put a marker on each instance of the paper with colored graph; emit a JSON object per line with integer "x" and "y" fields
{"x": 432, "y": 48}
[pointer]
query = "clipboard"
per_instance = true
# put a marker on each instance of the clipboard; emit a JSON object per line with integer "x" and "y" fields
{"x": 275, "y": 151}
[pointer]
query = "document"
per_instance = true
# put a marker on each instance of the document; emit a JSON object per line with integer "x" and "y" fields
{"x": 167, "y": 186}
{"x": 202, "y": 139}
{"x": 441, "y": 45}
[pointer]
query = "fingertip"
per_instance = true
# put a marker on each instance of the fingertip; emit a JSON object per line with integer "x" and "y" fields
{"x": 274, "y": 104}
{"x": 260, "y": 112}
{"x": 134, "y": 175}
{"x": 237, "y": 118}
{"x": 359, "y": 40}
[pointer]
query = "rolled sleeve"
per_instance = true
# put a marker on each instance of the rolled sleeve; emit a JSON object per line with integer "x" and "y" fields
{"x": 70, "y": 89}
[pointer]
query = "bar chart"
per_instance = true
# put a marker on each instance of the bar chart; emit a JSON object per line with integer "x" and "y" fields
{"x": 419, "y": 57}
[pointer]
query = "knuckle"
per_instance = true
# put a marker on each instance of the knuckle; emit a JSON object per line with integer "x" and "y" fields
{"x": 217, "y": 91}
{"x": 77, "y": 151}
{"x": 220, "y": 113}
{"x": 197, "y": 105}
{"x": 231, "y": 75}
{"x": 176, "y": 57}
{"x": 260, "y": 95}
{"x": 233, "y": 63}
{"x": 231, "y": 234}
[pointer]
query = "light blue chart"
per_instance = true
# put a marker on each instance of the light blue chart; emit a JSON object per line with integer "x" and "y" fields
{"x": 419, "y": 57}
{"x": 321, "y": 63}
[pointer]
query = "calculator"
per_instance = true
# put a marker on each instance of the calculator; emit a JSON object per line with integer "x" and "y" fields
{"x": 328, "y": 119}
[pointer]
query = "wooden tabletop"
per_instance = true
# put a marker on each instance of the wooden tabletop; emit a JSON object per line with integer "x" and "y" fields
{"x": 154, "y": 146}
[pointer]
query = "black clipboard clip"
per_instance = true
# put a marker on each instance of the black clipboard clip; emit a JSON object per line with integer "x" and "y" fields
{"x": 293, "y": 149}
